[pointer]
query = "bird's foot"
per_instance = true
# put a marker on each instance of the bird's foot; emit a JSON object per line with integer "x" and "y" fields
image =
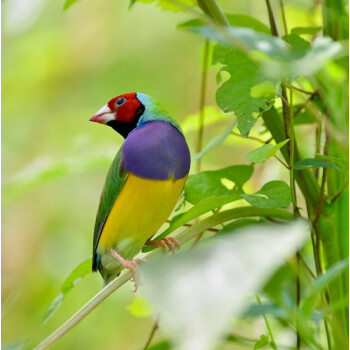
{"x": 167, "y": 243}
{"x": 129, "y": 264}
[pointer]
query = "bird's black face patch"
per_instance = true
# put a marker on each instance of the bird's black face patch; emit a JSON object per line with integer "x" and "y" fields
{"x": 124, "y": 128}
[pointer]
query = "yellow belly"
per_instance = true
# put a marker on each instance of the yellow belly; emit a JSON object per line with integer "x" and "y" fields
{"x": 140, "y": 210}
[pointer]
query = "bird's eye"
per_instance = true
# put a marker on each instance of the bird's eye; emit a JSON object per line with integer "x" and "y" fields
{"x": 120, "y": 101}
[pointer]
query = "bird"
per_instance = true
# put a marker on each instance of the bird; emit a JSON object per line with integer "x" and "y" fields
{"x": 143, "y": 184}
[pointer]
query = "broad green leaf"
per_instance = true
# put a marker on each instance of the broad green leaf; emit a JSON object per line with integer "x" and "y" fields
{"x": 262, "y": 342}
{"x": 210, "y": 273}
{"x": 305, "y": 30}
{"x": 216, "y": 141}
{"x": 274, "y": 194}
{"x": 69, "y": 3}
{"x": 140, "y": 307}
{"x": 261, "y": 154}
{"x": 212, "y": 115}
{"x": 82, "y": 270}
{"x": 234, "y": 95}
{"x": 235, "y": 19}
{"x": 308, "y": 163}
{"x": 210, "y": 183}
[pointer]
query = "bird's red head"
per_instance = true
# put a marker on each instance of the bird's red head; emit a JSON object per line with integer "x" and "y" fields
{"x": 121, "y": 113}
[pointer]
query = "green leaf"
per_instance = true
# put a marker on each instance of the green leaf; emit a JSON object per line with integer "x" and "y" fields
{"x": 341, "y": 163}
{"x": 308, "y": 163}
{"x": 82, "y": 270}
{"x": 274, "y": 194}
{"x": 235, "y": 19}
{"x": 299, "y": 46}
{"x": 305, "y": 30}
{"x": 263, "y": 341}
{"x": 55, "y": 304}
{"x": 163, "y": 345}
{"x": 217, "y": 182}
{"x": 234, "y": 95}
{"x": 178, "y": 5}
{"x": 216, "y": 141}
{"x": 257, "y": 310}
{"x": 69, "y": 3}
{"x": 141, "y": 308}
{"x": 261, "y": 154}
{"x": 332, "y": 273}
{"x": 266, "y": 89}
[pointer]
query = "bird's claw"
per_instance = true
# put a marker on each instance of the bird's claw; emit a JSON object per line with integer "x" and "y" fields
{"x": 131, "y": 265}
{"x": 167, "y": 243}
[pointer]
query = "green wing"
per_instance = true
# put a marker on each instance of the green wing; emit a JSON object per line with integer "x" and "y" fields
{"x": 114, "y": 182}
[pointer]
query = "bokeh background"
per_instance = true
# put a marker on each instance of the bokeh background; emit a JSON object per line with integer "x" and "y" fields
{"x": 59, "y": 67}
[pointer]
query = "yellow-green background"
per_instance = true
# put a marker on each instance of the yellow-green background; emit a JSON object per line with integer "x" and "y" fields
{"x": 58, "y": 69}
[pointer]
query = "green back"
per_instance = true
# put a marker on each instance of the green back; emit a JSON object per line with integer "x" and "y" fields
{"x": 114, "y": 182}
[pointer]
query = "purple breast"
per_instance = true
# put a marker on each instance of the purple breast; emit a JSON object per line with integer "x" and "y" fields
{"x": 156, "y": 150}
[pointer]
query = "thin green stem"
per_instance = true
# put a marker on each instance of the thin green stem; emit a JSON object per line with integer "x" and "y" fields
{"x": 202, "y": 102}
{"x": 284, "y": 18}
{"x": 273, "y": 25}
{"x": 212, "y": 8}
{"x": 290, "y": 86}
{"x": 269, "y": 330}
{"x": 182, "y": 237}
{"x": 151, "y": 335}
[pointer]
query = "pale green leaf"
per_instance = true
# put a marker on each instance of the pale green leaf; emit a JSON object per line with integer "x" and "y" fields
{"x": 277, "y": 58}
{"x": 55, "y": 304}
{"x": 235, "y": 19}
{"x": 306, "y": 30}
{"x": 140, "y": 307}
{"x": 274, "y": 194}
{"x": 211, "y": 282}
{"x": 261, "y": 154}
{"x": 262, "y": 342}
{"x": 82, "y": 270}
{"x": 216, "y": 141}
